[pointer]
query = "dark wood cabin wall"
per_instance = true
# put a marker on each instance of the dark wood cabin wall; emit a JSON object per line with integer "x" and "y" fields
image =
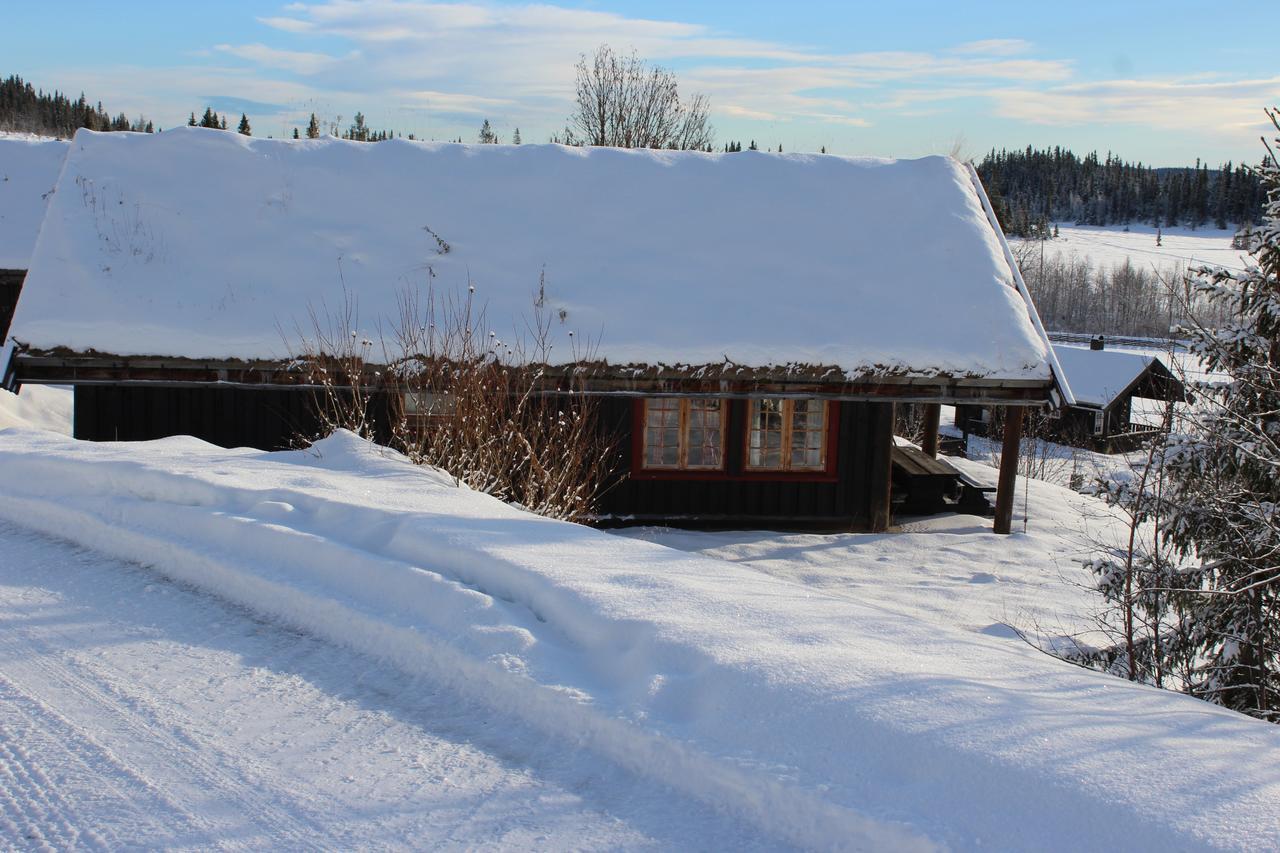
{"x": 842, "y": 504}
{"x": 10, "y": 288}
{"x": 267, "y": 419}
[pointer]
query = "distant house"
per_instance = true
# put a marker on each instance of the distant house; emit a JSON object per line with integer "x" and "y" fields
{"x": 1104, "y": 383}
{"x": 753, "y": 317}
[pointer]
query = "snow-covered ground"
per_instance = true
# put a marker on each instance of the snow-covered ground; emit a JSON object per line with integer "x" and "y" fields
{"x": 856, "y": 691}
{"x": 142, "y": 714}
{"x": 36, "y": 407}
{"x": 1110, "y": 246}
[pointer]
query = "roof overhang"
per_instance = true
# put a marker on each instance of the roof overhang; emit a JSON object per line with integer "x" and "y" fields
{"x": 601, "y": 380}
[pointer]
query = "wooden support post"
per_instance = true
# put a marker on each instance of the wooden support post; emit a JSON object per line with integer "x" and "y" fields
{"x": 932, "y": 415}
{"x": 1008, "y": 469}
{"x": 880, "y": 467}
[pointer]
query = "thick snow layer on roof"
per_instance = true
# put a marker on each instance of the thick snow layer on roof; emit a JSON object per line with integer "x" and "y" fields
{"x": 1097, "y": 377}
{"x": 205, "y": 244}
{"x": 29, "y": 168}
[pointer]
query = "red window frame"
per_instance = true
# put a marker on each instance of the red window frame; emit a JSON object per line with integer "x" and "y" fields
{"x": 735, "y": 459}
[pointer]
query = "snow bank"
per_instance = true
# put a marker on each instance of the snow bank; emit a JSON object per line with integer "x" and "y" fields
{"x": 205, "y": 244}
{"x": 38, "y": 407}
{"x": 824, "y": 721}
{"x": 29, "y": 167}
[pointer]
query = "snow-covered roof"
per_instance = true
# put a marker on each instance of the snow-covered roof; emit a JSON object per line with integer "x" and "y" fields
{"x": 1097, "y": 377}
{"x": 206, "y": 244}
{"x": 29, "y": 168}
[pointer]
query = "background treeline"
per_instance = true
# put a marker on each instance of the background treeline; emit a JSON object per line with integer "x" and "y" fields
{"x": 1032, "y": 189}
{"x": 1073, "y": 294}
{"x": 25, "y": 109}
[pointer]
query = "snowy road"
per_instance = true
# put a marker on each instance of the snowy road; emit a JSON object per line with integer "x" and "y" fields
{"x": 136, "y": 712}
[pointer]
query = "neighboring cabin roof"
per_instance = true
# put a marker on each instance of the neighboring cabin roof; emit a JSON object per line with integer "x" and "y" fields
{"x": 1099, "y": 377}
{"x": 29, "y": 167}
{"x": 203, "y": 244}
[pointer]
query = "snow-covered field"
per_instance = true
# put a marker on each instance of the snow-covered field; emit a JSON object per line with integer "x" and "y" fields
{"x": 848, "y": 691}
{"x": 1110, "y": 246}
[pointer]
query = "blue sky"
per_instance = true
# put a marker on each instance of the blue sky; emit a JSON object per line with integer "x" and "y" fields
{"x": 1163, "y": 83}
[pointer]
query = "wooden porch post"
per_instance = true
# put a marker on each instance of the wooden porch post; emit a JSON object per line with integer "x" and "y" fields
{"x": 932, "y": 415}
{"x": 880, "y": 467}
{"x": 1008, "y": 469}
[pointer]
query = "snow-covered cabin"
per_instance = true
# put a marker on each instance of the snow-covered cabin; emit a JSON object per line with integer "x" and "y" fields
{"x": 1104, "y": 383}
{"x": 28, "y": 170}
{"x": 769, "y": 309}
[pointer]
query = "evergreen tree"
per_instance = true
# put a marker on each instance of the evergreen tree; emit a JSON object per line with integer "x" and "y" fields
{"x": 752, "y": 146}
{"x": 313, "y": 128}
{"x": 487, "y": 136}
{"x": 515, "y": 137}
{"x": 210, "y": 119}
{"x": 295, "y": 133}
{"x": 191, "y": 122}
{"x": 222, "y": 123}
{"x": 1225, "y": 478}
{"x": 243, "y": 129}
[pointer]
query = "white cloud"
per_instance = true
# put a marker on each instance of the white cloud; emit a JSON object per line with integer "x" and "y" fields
{"x": 1226, "y": 106}
{"x": 525, "y": 53}
{"x": 300, "y": 62}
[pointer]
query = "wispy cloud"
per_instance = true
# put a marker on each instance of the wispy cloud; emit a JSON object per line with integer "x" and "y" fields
{"x": 301, "y": 62}
{"x": 1224, "y": 105}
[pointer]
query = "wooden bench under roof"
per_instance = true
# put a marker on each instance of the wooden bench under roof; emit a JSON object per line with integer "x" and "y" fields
{"x": 924, "y": 485}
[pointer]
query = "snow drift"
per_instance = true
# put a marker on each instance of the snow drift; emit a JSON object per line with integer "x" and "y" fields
{"x": 826, "y": 722}
{"x": 206, "y": 244}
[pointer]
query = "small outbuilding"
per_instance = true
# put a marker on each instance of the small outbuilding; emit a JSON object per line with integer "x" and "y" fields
{"x": 1105, "y": 383}
{"x": 747, "y": 321}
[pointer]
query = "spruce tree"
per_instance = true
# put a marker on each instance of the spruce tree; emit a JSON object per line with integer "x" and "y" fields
{"x": 191, "y": 122}
{"x": 244, "y": 129}
{"x": 487, "y": 136}
{"x": 295, "y": 133}
{"x": 313, "y": 128}
{"x": 515, "y": 137}
{"x": 1225, "y": 477}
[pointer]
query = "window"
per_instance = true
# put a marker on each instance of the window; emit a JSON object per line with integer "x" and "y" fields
{"x": 1099, "y": 423}
{"x": 787, "y": 435}
{"x": 423, "y": 405}
{"x": 683, "y": 434}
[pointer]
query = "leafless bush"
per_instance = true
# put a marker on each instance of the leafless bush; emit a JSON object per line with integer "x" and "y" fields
{"x": 455, "y": 395}
{"x": 624, "y": 102}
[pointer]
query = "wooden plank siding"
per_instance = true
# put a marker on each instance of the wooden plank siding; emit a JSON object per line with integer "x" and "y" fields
{"x": 10, "y": 289}
{"x": 739, "y": 498}
{"x": 267, "y": 419}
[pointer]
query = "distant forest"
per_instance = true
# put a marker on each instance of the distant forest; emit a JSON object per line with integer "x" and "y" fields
{"x": 1030, "y": 190}
{"x": 25, "y": 109}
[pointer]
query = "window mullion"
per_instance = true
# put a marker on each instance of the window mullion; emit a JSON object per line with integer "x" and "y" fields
{"x": 684, "y": 435}
{"x": 788, "y": 410}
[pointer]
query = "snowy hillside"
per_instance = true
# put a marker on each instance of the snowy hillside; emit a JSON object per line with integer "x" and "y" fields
{"x": 29, "y": 167}
{"x": 661, "y": 256}
{"x": 784, "y": 690}
{"x": 1111, "y": 246}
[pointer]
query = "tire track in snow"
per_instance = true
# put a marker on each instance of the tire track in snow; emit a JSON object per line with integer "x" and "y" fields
{"x": 156, "y": 743}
